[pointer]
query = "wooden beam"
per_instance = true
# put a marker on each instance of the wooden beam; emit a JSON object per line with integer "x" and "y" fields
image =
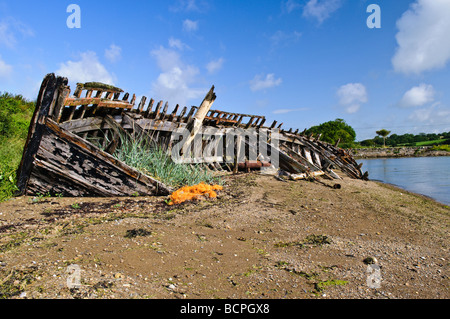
{"x": 69, "y": 165}
{"x": 101, "y": 102}
{"x": 149, "y": 108}
{"x": 142, "y": 104}
{"x": 196, "y": 123}
{"x": 46, "y": 97}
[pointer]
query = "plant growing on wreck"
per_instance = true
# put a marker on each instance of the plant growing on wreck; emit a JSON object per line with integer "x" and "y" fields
{"x": 153, "y": 160}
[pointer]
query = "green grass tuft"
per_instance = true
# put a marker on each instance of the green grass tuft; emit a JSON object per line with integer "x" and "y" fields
{"x": 154, "y": 161}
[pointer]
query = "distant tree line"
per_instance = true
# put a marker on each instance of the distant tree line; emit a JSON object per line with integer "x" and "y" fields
{"x": 339, "y": 131}
{"x": 408, "y": 139}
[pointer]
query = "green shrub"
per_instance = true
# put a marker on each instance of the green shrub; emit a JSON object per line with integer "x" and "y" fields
{"x": 441, "y": 148}
{"x": 15, "y": 116}
{"x": 10, "y": 155}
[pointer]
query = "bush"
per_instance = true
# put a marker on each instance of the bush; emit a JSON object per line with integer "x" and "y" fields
{"x": 15, "y": 116}
{"x": 332, "y": 131}
{"x": 441, "y": 148}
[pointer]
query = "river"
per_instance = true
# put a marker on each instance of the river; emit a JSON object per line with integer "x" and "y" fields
{"x": 429, "y": 176}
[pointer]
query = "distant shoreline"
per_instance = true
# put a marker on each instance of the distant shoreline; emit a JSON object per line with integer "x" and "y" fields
{"x": 396, "y": 152}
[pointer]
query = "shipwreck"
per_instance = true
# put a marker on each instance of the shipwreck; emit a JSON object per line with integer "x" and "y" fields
{"x": 72, "y": 139}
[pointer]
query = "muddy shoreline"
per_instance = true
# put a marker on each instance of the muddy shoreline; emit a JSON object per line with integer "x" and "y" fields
{"x": 260, "y": 239}
{"x": 396, "y": 152}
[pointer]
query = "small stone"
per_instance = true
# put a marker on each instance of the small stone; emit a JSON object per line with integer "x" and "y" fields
{"x": 370, "y": 260}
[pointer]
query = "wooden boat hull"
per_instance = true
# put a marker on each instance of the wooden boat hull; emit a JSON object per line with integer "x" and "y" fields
{"x": 57, "y": 161}
{"x": 60, "y": 159}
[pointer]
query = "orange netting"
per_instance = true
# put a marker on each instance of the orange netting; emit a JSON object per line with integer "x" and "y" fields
{"x": 194, "y": 192}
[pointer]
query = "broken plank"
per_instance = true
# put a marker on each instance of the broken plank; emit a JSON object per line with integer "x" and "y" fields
{"x": 64, "y": 153}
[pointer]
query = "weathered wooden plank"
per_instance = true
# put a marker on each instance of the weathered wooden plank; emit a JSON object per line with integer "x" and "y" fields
{"x": 83, "y": 125}
{"x": 181, "y": 116}
{"x": 119, "y": 133}
{"x": 238, "y": 154}
{"x": 56, "y": 113}
{"x": 317, "y": 160}
{"x": 133, "y": 100}
{"x": 174, "y": 113}
{"x": 164, "y": 112}
{"x": 296, "y": 177}
{"x": 98, "y": 86}
{"x": 191, "y": 112}
{"x": 142, "y": 104}
{"x": 196, "y": 123}
{"x": 157, "y": 110}
{"x": 305, "y": 164}
{"x": 307, "y": 154}
{"x": 138, "y": 131}
{"x": 47, "y": 95}
{"x": 262, "y": 123}
{"x": 250, "y": 122}
{"x": 149, "y": 108}
{"x": 331, "y": 155}
{"x": 101, "y": 102}
{"x": 239, "y": 121}
{"x": 85, "y": 166}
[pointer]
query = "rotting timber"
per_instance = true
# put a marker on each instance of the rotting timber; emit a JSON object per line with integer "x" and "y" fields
{"x": 71, "y": 140}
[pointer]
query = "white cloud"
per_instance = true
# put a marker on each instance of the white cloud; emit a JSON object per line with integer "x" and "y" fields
{"x": 289, "y": 6}
{"x": 190, "y": 26}
{"x": 215, "y": 65}
{"x": 422, "y": 38}
{"x": 5, "y": 69}
{"x": 436, "y": 115}
{"x": 10, "y": 28}
{"x": 418, "y": 96}
{"x": 176, "y": 78}
{"x": 177, "y": 44}
{"x": 351, "y": 96}
{"x": 113, "y": 53}
{"x": 321, "y": 9}
{"x": 260, "y": 82}
{"x": 190, "y": 6}
{"x": 7, "y": 38}
{"x": 86, "y": 69}
{"x": 285, "y": 111}
{"x": 281, "y": 38}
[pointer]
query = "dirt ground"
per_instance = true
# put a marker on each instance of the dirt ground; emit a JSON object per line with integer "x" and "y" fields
{"x": 261, "y": 238}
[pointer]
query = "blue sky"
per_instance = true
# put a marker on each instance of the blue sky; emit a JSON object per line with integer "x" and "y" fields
{"x": 300, "y": 62}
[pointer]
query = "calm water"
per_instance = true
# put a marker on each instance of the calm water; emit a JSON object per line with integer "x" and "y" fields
{"x": 429, "y": 176}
